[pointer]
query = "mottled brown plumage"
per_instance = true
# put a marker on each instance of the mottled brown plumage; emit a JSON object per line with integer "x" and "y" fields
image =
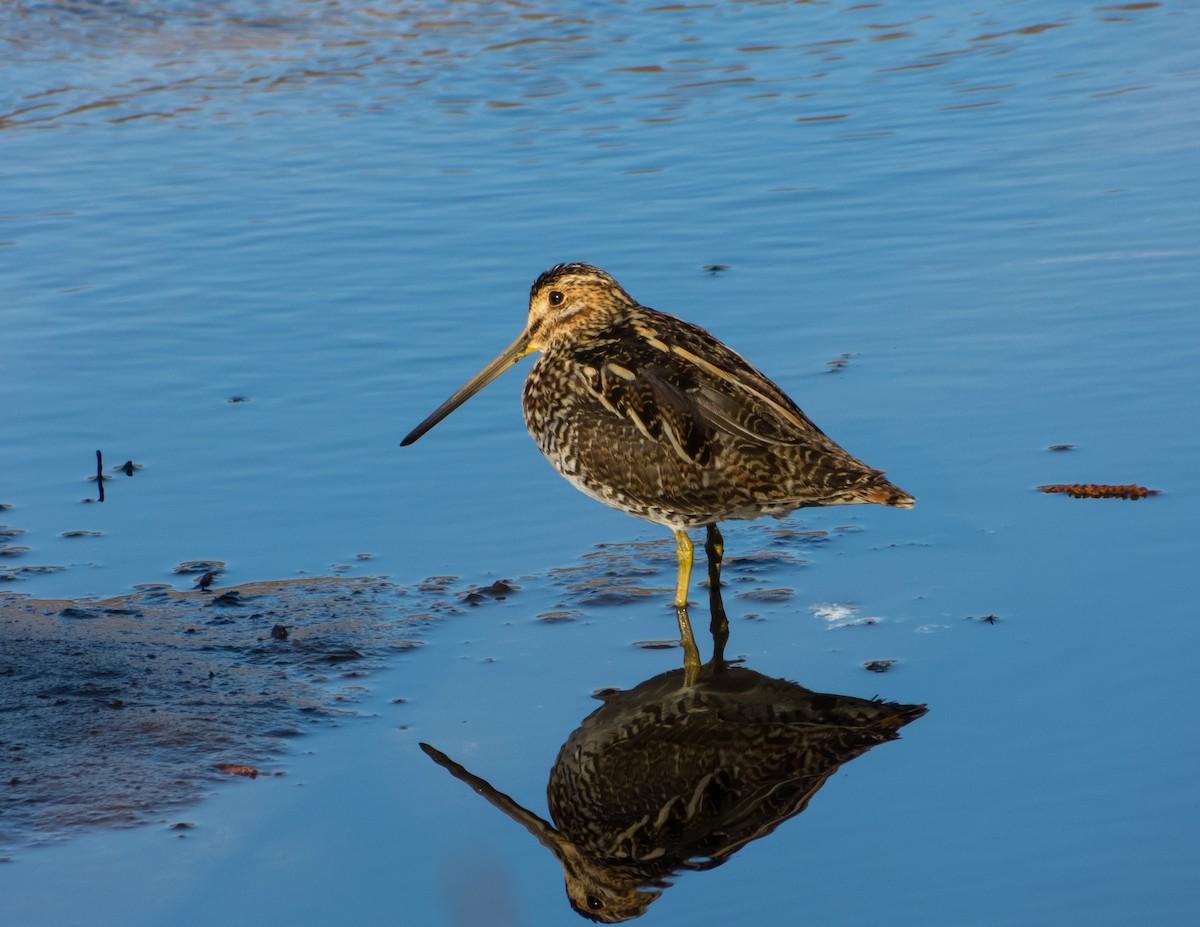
{"x": 679, "y": 775}
{"x": 654, "y": 416}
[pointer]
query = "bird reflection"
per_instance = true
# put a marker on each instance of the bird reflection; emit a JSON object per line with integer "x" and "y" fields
{"x": 683, "y": 771}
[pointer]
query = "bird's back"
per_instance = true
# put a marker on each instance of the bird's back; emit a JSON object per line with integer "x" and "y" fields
{"x": 655, "y": 416}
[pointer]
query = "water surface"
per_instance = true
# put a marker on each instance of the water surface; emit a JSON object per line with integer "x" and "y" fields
{"x": 249, "y": 245}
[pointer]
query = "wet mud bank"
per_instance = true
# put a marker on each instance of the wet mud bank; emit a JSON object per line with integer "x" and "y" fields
{"x": 114, "y": 712}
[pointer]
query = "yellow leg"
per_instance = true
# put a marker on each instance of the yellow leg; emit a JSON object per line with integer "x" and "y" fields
{"x": 684, "y": 551}
{"x": 691, "y": 654}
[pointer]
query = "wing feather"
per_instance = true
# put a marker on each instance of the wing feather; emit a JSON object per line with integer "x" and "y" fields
{"x": 683, "y": 388}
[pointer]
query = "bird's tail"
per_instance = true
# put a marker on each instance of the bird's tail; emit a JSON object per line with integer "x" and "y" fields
{"x": 885, "y": 492}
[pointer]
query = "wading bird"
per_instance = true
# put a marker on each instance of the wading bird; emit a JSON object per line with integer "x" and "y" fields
{"x": 654, "y": 416}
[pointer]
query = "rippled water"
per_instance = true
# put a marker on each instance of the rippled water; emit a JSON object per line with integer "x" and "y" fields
{"x": 249, "y": 245}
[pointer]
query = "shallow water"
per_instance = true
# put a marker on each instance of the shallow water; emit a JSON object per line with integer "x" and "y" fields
{"x": 332, "y": 215}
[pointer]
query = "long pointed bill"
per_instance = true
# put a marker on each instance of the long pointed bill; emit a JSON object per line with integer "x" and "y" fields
{"x": 513, "y": 353}
{"x": 543, "y": 830}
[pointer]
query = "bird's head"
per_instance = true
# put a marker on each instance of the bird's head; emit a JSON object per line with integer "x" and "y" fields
{"x": 564, "y": 302}
{"x": 568, "y": 299}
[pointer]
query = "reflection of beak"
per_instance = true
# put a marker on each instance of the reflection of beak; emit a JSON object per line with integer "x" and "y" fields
{"x": 543, "y": 830}
{"x": 513, "y": 353}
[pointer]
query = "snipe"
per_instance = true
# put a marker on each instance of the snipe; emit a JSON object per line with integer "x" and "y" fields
{"x": 656, "y": 417}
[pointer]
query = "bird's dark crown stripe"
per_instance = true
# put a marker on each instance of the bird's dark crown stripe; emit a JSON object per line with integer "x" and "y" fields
{"x": 573, "y": 269}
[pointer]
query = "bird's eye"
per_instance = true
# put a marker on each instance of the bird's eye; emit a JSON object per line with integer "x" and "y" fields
{"x": 592, "y": 901}
{"x": 556, "y": 298}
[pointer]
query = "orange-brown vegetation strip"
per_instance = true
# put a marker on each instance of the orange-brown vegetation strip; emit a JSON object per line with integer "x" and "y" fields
{"x": 234, "y": 769}
{"x": 1100, "y": 491}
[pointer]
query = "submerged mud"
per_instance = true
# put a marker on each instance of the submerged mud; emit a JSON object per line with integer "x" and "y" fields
{"x": 114, "y": 711}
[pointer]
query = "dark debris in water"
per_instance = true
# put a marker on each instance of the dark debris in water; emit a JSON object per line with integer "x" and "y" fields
{"x": 754, "y": 565}
{"x": 562, "y": 616}
{"x": 11, "y": 550}
{"x": 656, "y": 645}
{"x": 617, "y": 574}
{"x": 793, "y": 536}
{"x": 613, "y": 590}
{"x": 437, "y": 584}
{"x": 128, "y": 705}
{"x": 201, "y": 566}
{"x": 879, "y": 666}
{"x": 14, "y": 573}
{"x": 500, "y": 590}
{"x": 767, "y": 595}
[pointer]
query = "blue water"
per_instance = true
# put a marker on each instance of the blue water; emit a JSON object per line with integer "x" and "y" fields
{"x": 335, "y": 213}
